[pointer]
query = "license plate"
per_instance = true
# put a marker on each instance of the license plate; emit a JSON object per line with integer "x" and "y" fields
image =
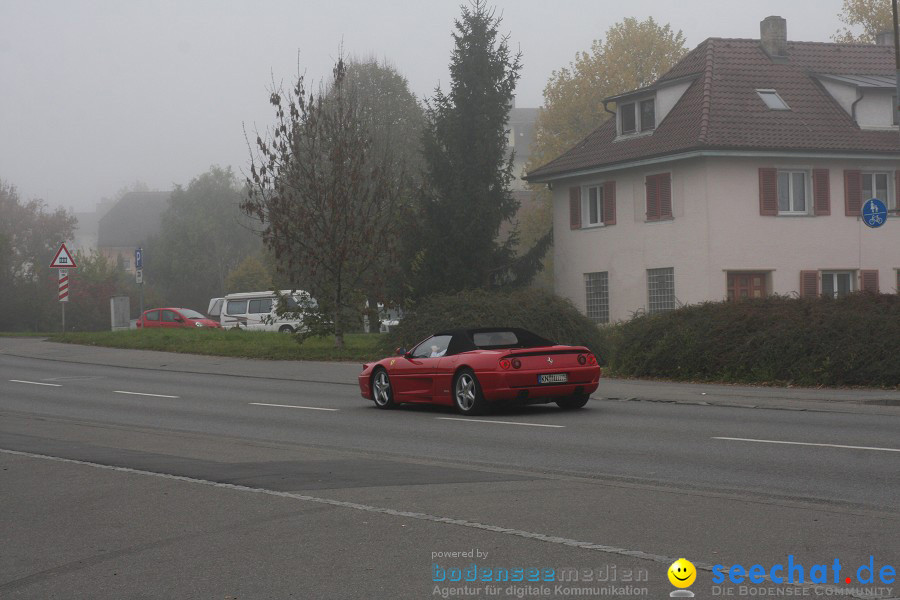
{"x": 553, "y": 378}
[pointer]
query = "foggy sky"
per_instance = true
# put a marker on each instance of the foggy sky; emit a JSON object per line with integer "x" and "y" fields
{"x": 97, "y": 94}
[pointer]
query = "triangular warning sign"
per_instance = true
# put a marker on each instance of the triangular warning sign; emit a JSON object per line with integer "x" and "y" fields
{"x": 63, "y": 260}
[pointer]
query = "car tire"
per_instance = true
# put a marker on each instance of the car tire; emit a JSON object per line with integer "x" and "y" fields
{"x": 382, "y": 393}
{"x": 573, "y": 403}
{"x": 285, "y": 329}
{"x": 467, "y": 395}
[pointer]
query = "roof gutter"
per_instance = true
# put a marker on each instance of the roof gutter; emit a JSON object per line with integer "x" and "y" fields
{"x": 713, "y": 153}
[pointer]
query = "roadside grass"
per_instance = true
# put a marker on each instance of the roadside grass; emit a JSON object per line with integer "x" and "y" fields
{"x": 15, "y": 334}
{"x": 226, "y": 342}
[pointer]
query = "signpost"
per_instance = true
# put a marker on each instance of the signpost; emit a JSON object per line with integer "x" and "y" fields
{"x": 139, "y": 274}
{"x": 874, "y": 213}
{"x": 63, "y": 261}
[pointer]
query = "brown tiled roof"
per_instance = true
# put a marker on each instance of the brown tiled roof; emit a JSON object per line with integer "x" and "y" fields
{"x": 721, "y": 111}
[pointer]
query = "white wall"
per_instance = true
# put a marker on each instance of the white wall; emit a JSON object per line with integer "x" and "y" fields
{"x": 716, "y": 228}
{"x": 875, "y": 109}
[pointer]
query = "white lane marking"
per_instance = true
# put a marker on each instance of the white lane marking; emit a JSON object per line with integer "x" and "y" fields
{"x": 733, "y": 439}
{"x": 36, "y": 383}
{"x": 143, "y": 394}
{"x": 541, "y": 537}
{"x": 292, "y": 406}
{"x": 499, "y": 422}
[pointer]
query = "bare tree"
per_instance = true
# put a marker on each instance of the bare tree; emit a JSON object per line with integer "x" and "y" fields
{"x": 326, "y": 200}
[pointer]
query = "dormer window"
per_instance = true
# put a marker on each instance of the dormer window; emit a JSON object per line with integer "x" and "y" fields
{"x": 773, "y": 100}
{"x": 648, "y": 115}
{"x": 637, "y": 117}
{"x": 629, "y": 122}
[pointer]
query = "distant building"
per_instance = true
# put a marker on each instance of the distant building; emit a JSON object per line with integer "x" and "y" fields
{"x": 87, "y": 228}
{"x": 739, "y": 173}
{"x": 131, "y": 222}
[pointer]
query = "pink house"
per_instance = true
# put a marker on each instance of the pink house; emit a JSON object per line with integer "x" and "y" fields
{"x": 739, "y": 173}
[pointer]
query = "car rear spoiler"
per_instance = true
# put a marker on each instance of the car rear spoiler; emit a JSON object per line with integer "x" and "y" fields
{"x": 545, "y": 352}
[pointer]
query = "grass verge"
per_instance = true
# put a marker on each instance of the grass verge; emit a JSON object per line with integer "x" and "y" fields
{"x": 222, "y": 342}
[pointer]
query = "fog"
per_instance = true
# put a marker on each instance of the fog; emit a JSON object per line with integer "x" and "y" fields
{"x": 96, "y": 95}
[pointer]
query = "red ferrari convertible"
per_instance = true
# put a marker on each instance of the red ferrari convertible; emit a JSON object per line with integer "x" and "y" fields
{"x": 472, "y": 368}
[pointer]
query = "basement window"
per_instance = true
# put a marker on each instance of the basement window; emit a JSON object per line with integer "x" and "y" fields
{"x": 773, "y": 100}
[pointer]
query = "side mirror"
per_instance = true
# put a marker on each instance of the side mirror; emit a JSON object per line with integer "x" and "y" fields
{"x": 401, "y": 351}
{"x": 179, "y": 319}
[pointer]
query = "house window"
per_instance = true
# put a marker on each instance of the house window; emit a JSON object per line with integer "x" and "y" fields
{"x": 837, "y": 283}
{"x": 773, "y": 100}
{"x": 792, "y": 192}
{"x": 894, "y": 110}
{"x": 596, "y": 288}
{"x": 746, "y": 285}
{"x": 661, "y": 289}
{"x": 629, "y": 124}
{"x": 593, "y": 206}
{"x": 875, "y": 185}
{"x": 648, "y": 115}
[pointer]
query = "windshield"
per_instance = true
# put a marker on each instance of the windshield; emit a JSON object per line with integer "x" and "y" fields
{"x": 191, "y": 314}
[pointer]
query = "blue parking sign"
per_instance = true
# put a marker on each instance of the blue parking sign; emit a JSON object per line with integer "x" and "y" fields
{"x": 138, "y": 258}
{"x": 874, "y": 213}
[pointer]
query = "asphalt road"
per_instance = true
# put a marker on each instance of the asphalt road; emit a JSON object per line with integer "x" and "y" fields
{"x": 122, "y": 482}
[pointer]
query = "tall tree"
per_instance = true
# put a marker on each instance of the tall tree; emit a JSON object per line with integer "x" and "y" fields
{"x": 203, "y": 237}
{"x": 29, "y": 236}
{"x": 873, "y": 16}
{"x": 633, "y": 55}
{"x": 468, "y": 170}
{"x": 326, "y": 198}
{"x": 395, "y": 121}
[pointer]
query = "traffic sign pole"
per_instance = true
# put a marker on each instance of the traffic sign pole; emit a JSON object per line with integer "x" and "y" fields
{"x": 63, "y": 261}
{"x": 139, "y": 273}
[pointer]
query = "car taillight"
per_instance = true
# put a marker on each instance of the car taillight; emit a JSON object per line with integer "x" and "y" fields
{"x": 581, "y": 359}
{"x": 516, "y": 363}
{"x": 592, "y": 360}
{"x": 504, "y": 364}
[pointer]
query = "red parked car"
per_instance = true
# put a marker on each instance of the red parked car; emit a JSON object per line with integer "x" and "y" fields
{"x": 175, "y": 317}
{"x": 473, "y": 368}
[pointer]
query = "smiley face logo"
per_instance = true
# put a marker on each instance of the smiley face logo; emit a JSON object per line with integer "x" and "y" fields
{"x": 682, "y": 573}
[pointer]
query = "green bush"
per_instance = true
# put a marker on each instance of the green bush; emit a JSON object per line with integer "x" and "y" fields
{"x": 854, "y": 340}
{"x": 535, "y": 310}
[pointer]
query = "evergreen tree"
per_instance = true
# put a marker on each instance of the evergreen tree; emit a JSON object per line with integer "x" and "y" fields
{"x": 468, "y": 169}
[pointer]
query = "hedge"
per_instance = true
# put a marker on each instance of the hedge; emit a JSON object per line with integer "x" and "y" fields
{"x": 854, "y": 340}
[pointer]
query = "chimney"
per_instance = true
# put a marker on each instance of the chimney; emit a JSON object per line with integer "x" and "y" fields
{"x": 773, "y": 36}
{"x": 884, "y": 38}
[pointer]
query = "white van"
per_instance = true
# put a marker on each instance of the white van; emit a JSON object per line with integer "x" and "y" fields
{"x": 255, "y": 311}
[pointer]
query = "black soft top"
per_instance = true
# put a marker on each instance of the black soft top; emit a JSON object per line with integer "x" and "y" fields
{"x": 462, "y": 340}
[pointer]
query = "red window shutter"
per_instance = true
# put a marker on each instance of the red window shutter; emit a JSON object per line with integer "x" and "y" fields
{"x": 768, "y": 192}
{"x": 821, "y": 192}
{"x": 665, "y": 195}
{"x": 609, "y": 203}
{"x": 868, "y": 280}
{"x": 575, "y": 208}
{"x": 852, "y": 193}
{"x": 809, "y": 284}
{"x": 652, "y": 184}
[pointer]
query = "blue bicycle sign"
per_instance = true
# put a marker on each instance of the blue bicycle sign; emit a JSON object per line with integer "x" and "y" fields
{"x": 874, "y": 213}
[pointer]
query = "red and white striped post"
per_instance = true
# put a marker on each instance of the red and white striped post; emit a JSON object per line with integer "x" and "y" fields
{"x": 63, "y": 294}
